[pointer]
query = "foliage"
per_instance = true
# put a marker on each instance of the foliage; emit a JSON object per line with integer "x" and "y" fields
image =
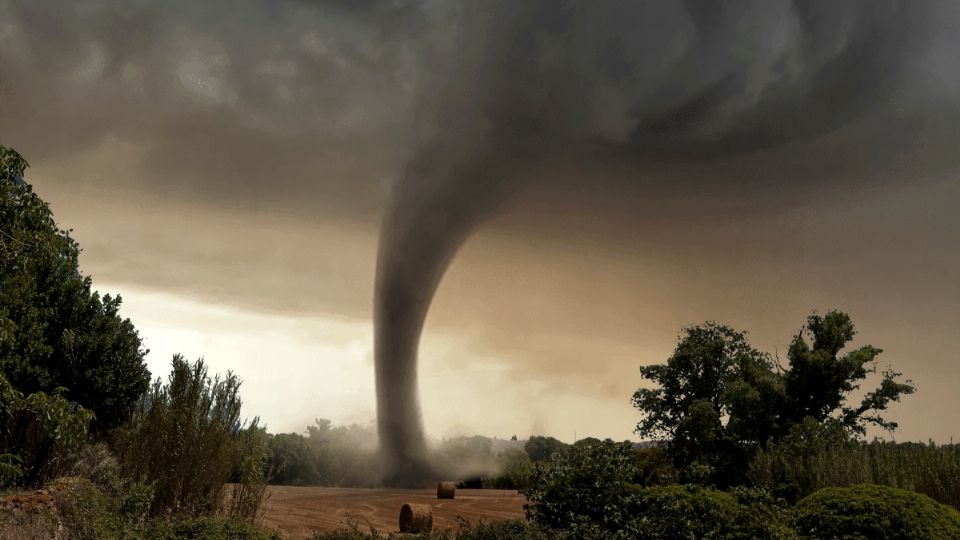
{"x": 91, "y": 511}
{"x": 328, "y": 455}
{"x": 594, "y": 491}
{"x": 348, "y": 454}
{"x": 465, "y": 457}
{"x": 55, "y": 332}
{"x": 37, "y": 432}
{"x": 762, "y": 515}
{"x": 702, "y": 382}
{"x": 519, "y": 529}
{"x": 186, "y": 439}
{"x": 205, "y": 528}
{"x": 11, "y": 470}
{"x": 543, "y": 448}
{"x": 293, "y": 461}
{"x": 508, "y": 529}
{"x": 86, "y": 511}
{"x": 814, "y": 456}
{"x": 677, "y": 511}
{"x": 655, "y": 467}
{"x": 248, "y": 492}
{"x": 515, "y": 468}
{"x": 718, "y": 400}
{"x": 875, "y": 512}
{"x": 818, "y": 381}
{"x": 589, "y": 484}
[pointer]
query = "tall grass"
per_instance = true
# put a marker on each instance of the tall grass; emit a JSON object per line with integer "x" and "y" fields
{"x": 186, "y": 438}
{"x": 931, "y": 469}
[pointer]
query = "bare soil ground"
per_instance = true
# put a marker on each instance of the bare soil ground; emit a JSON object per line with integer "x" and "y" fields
{"x": 296, "y": 512}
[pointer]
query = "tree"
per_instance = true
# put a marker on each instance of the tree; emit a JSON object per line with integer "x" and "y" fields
{"x": 542, "y": 448}
{"x": 818, "y": 381}
{"x": 717, "y": 399}
{"x": 704, "y": 382}
{"x": 292, "y": 461}
{"x": 55, "y": 331}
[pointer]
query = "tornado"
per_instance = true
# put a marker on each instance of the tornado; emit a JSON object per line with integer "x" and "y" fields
{"x": 443, "y": 198}
{"x": 520, "y": 82}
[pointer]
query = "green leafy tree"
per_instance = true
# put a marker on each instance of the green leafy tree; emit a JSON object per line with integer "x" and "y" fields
{"x": 55, "y": 331}
{"x": 293, "y": 460}
{"x": 717, "y": 399}
{"x": 541, "y": 448}
{"x": 714, "y": 374}
{"x": 37, "y": 432}
{"x": 820, "y": 379}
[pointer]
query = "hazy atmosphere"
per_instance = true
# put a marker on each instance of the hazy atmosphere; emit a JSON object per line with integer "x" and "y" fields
{"x": 226, "y": 167}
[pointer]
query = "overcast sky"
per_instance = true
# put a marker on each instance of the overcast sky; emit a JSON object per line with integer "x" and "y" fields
{"x": 226, "y": 165}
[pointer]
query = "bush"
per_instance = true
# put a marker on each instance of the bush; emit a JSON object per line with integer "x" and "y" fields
{"x": 594, "y": 491}
{"x": 762, "y": 516}
{"x": 875, "y": 512}
{"x": 517, "y": 528}
{"x": 37, "y": 432}
{"x": 186, "y": 439}
{"x": 250, "y": 476}
{"x": 510, "y": 529}
{"x": 86, "y": 511}
{"x": 589, "y": 484}
{"x": 205, "y": 528}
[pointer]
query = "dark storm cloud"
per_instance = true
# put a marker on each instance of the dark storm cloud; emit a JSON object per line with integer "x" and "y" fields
{"x": 643, "y": 83}
{"x": 240, "y": 118}
{"x": 230, "y": 99}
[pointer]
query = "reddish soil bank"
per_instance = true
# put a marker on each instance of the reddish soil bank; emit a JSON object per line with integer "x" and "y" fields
{"x": 296, "y": 512}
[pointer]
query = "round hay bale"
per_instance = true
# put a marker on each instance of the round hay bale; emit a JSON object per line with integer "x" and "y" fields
{"x": 416, "y": 518}
{"x": 446, "y": 490}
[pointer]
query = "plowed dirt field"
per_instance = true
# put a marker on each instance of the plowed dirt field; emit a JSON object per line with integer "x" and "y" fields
{"x": 296, "y": 512}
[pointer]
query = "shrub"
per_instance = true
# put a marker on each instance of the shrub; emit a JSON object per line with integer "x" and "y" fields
{"x": 588, "y": 484}
{"x": 761, "y": 515}
{"x": 86, "y": 511}
{"x": 37, "y": 432}
{"x": 516, "y": 529}
{"x": 205, "y": 528}
{"x": 186, "y": 439}
{"x": 250, "y": 475}
{"x": 678, "y": 511}
{"x": 875, "y": 512}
